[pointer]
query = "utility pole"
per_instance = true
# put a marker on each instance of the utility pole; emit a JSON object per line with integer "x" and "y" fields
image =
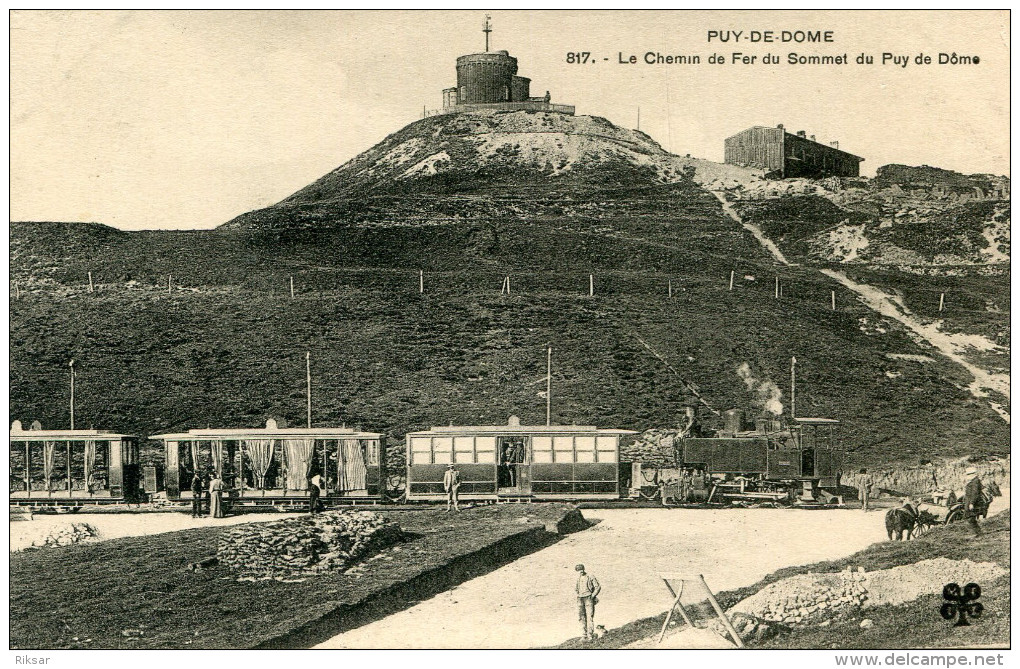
{"x": 548, "y": 387}
{"x": 72, "y": 392}
{"x": 487, "y": 29}
{"x": 308, "y": 379}
{"x": 793, "y": 387}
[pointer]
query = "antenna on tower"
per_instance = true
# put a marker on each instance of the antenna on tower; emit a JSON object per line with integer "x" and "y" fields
{"x": 487, "y": 29}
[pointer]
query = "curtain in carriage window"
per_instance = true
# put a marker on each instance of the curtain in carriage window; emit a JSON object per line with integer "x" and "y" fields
{"x": 194, "y": 457}
{"x": 298, "y": 453}
{"x": 90, "y": 463}
{"x": 49, "y": 450}
{"x": 260, "y": 456}
{"x": 352, "y": 469}
{"x": 217, "y": 457}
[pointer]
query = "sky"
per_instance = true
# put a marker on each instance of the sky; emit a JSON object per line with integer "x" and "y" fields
{"x": 184, "y": 119}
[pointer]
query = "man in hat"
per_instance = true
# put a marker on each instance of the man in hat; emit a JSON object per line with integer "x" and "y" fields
{"x": 864, "y": 486}
{"x": 451, "y": 484}
{"x": 973, "y": 499}
{"x": 197, "y": 490}
{"x": 587, "y": 590}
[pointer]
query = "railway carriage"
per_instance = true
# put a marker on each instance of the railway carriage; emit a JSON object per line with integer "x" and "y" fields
{"x": 272, "y": 465}
{"x": 514, "y": 461}
{"x": 72, "y": 468}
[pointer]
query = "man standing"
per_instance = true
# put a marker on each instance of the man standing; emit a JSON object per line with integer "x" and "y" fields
{"x": 451, "y": 484}
{"x": 864, "y": 489}
{"x": 588, "y": 590}
{"x": 973, "y": 500}
{"x": 197, "y": 490}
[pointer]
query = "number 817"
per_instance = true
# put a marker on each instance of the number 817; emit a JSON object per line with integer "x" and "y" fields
{"x": 578, "y": 57}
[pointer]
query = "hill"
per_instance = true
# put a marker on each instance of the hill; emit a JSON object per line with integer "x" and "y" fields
{"x": 225, "y": 346}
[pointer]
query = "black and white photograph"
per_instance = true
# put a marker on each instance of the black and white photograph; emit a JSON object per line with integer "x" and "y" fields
{"x": 509, "y": 329}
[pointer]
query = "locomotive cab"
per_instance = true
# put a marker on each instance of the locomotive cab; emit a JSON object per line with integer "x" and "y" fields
{"x": 820, "y": 455}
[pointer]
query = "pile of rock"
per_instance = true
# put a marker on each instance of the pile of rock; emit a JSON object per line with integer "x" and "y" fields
{"x": 305, "y": 546}
{"x": 71, "y": 533}
{"x": 806, "y": 598}
{"x": 653, "y": 447}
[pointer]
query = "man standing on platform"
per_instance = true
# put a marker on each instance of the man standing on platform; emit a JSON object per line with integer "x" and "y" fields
{"x": 973, "y": 500}
{"x": 451, "y": 484}
{"x": 588, "y": 590}
{"x": 197, "y": 491}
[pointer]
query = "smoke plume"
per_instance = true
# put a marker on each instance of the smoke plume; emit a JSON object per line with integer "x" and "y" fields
{"x": 768, "y": 394}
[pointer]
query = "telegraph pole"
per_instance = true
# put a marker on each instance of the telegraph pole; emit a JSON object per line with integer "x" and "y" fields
{"x": 308, "y": 379}
{"x": 793, "y": 387}
{"x": 548, "y": 387}
{"x": 72, "y": 393}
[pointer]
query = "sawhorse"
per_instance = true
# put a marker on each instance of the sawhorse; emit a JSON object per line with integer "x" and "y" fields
{"x": 678, "y": 592}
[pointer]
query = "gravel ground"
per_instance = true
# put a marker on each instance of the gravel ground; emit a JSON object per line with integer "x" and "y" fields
{"x": 530, "y": 602}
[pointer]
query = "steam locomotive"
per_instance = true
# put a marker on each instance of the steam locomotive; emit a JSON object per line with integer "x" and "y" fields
{"x": 769, "y": 460}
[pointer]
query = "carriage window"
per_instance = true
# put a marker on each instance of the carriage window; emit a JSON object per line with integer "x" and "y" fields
{"x": 485, "y": 449}
{"x": 442, "y": 457}
{"x": 371, "y": 452}
{"x": 541, "y": 449}
{"x": 464, "y": 449}
{"x": 606, "y": 449}
{"x": 563, "y": 449}
{"x": 421, "y": 451}
{"x": 585, "y": 449}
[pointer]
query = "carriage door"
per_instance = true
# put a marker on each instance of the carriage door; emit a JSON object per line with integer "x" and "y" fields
{"x": 514, "y": 475}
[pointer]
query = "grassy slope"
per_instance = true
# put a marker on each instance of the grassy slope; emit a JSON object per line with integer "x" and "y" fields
{"x": 384, "y": 357}
{"x": 916, "y": 624}
{"x": 50, "y": 605}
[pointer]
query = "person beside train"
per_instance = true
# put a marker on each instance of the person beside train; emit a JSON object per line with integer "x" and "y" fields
{"x": 451, "y": 484}
{"x": 314, "y": 491}
{"x": 216, "y": 497}
{"x": 197, "y": 491}
{"x": 973, "y": 500}
{"x": 864, "y": 489}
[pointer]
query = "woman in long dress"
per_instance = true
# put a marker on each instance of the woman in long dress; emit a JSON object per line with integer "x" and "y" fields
{"x": 216, "y": 497}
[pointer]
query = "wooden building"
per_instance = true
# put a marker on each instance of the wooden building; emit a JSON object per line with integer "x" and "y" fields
{"x": 517, "y": 461}
{"x": 275, "y": 463}
{"x": 784, "y": 155}
{"x": 73, "y": 466}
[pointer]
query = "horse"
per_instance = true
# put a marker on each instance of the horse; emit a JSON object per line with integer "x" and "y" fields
{"x": 901, "y": 522}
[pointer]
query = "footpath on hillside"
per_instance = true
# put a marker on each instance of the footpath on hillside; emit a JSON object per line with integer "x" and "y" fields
{"x": 952, "y": 346}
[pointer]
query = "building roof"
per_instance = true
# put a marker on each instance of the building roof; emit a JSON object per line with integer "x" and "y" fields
{"x": 270, "y": 431}
{"x": 790, "y": 134}
{"x": 518, "y": 429}
{"x": 20, "y": 434}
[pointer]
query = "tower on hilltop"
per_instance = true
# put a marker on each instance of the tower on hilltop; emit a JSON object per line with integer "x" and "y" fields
{"x": 489, "y": 81}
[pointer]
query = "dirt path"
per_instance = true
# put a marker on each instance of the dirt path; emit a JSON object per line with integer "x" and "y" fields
{"x": 529, "y": 603}
{"x": 769, "y": 245}
{"x": 953, "y": 346}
